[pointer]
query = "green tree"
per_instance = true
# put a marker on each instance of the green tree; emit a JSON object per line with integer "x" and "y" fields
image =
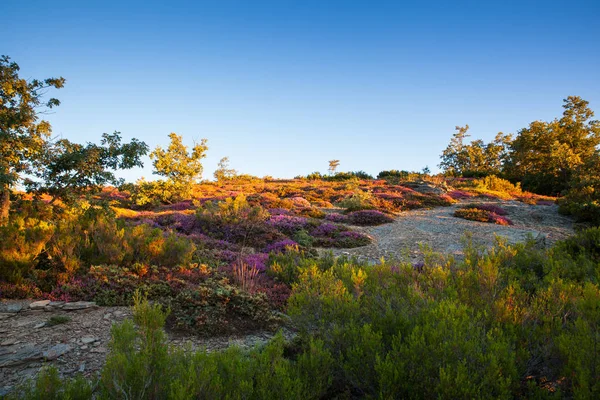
{"x": 333, "y": 164}
{"x": 179, "y": 166}
{"x": 224, "y": 172}
{"x": 546, "y": 155}
{"x": 476, "y": 158}
{"x": 22, "y": 132}
{"x": 67, "y": 169}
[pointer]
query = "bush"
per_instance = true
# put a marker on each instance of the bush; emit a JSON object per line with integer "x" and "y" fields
{"x": 369, "y": 218}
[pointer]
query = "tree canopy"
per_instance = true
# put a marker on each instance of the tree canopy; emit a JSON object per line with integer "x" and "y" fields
{"x": 177, "y": 164}
{"x": 22, "y": 132}
{"x": 545, "y": 155}
{"x": 67, "y": 169}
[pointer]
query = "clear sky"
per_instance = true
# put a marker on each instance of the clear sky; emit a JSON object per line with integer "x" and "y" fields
{"x": 281, "y": 87}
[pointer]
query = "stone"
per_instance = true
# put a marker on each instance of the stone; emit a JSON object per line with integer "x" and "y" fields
{"x": 14, "y": 308}
{"x": 40, "y": 325}
{"x": 84, "y": 347}
{"x": 82, "y": 367}
{"x": 56, "y": 351}
{"x": 56, "y": 304}
{"x": 88, "y": 339}
{"x": 79, "y": 305}
{"x": 6, "y": 316}
{"x": 98, "y": 350}
{"x": 39, "y": 305}
{"x": 9, "y": 342}
{"x": 22, "y": 356}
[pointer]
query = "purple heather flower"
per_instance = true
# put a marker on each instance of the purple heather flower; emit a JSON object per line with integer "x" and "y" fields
{"x": 281, "y": 246}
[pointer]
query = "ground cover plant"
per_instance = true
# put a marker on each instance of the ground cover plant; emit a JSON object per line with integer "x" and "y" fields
{"x": 513, "y": 321}
{"x": 483, "y": 213}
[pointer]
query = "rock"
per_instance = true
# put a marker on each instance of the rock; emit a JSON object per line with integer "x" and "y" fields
{"x": 56, "y": 351}
{"x": 39, "y": 305}
{"x": 9, "y": 342}
{"x": 79, "y": 305}
{"x": 98, "y": 350}
{"x": 40, "y": 325}
{"x": 6, "y": 316}
{"x": 84, "y": 347}
{"x": 88, "y": 339}
{"x": 22, "y": 356}
{"x": 14, "y": 308}
{"x": 56, "y": 304}
{"x": 82, "y": 367}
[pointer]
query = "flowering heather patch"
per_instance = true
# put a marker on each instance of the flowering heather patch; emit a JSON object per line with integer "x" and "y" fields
{"x": 325, "y": 230}
{"x": 257, "y": 261}
{"x": 488, "y": 207}
{"x": 476, "y": 214}
{"x": 179, "y": 206}
{"x": 352, "y": 239}
{"x": 369, "y": 218}
{"x": 287, "y": 223}
{"x": 500, "y": 220}
{"x": 281, "y": 246}
{"x": 178, "y": 221}
{"x": 300, "y": 202}
{"x": 337, "y": 218}
{"x": 460, "y": 194}
{"x": 24, "y": 290}
{"x": 279, "y": 211}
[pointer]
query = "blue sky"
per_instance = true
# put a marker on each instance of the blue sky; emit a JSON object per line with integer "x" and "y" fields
{"x": 281, "y": 87}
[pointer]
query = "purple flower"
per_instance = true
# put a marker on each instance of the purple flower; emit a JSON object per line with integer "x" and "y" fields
{"x": 257, "y": 261}
{"x": 325, "y": 230}
{"x": 281, "y": 246}
{"x": 287, "y": 223}
{"x": 490, "y": 207}
{"x": 335, "y": 217}
{"x": 279, "y": 211}
{"x": 460, "y": 194}
{"x": 369, "y": 217}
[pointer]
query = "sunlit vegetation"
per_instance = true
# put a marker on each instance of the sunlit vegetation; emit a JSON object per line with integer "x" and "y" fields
{"x": 241, "y": 254}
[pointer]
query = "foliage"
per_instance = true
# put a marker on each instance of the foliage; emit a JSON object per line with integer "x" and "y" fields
{"x": 476, "y": 158}
{"x": 224, "y": 172}
{"x": 22, "y": 133}
{"x": 67, "y": 169}
{"x": 369, "y": 218}
{"x": 333, "y": 164}
{"x": 181, "y": 168}
{"x": 482, "y": 213}
{"x": 582, "y": 200}
{"x": 546, "y": 156}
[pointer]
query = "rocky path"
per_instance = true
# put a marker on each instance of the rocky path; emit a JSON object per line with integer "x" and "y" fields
{"x": 77, "y": 345}
{"x": 439, "y": 230}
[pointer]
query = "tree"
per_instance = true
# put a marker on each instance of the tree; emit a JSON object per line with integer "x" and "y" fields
{"x": 68, "y": 169}
{"x": 181, "y": 168}
{"x": 333, "y": 164}
{"x": 224, "y": 172}
{"x": 22, "y": 133}
{"x": 476, "y": 158}
{"x": 546, "y": 155}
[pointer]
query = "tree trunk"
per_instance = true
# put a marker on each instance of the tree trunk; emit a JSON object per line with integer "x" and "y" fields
{"x": 4, "y": 205}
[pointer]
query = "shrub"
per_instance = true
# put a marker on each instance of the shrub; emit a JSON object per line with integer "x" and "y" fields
{"x": 480, "y": 215}
{"x": 369, "y": 218}
{"x": 358, "y": 201}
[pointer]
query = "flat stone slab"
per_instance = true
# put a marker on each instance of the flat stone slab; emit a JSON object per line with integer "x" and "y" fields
{"x": 22, "y": 356}
{"x": 79, "y": 305}
{"x": 14, "y": 308}
{"x": 39, "y": 305}
{"x": 56, "y": 351}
